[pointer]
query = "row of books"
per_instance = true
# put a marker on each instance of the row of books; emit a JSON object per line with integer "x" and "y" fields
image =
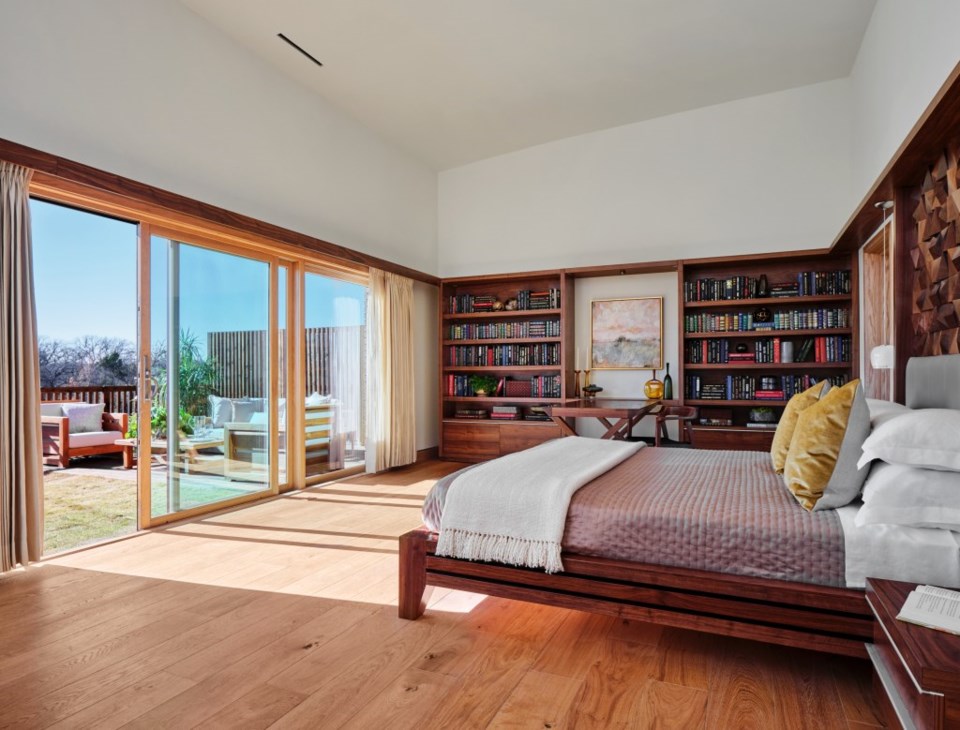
{"x": 811, "y": 318}
{"x": 504, "y": 413}
{"x": 526, "y": 300}
{"x": 546, "y": 299}
{"x": 833, "y": 348}
{"x": 538, "y": 386}
{"x": 503, "y": 355}
{"x": 749, "y": 387}
{"x": 504, "y": 330}
{"x": 806, "y": 283}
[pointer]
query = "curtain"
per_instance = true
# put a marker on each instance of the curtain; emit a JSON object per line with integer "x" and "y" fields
{"x": 347, "y": 367}
{"x": 21, "y": 460}
{"x": 391, "y": 423}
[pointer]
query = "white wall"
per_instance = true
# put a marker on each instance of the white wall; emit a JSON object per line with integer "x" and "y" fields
{"x": 908, "y": 51}
{"x": 627, "y": 383}
{"x": 761, "y": 174}
{"x": 151, "y": 91}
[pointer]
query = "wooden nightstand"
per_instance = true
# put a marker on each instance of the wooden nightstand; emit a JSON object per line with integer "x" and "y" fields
{"x": 916, "y": 671}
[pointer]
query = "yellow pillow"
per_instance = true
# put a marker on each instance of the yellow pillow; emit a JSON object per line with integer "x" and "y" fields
{"x": 821, "y": 469}
{"x": 788, "y": 422}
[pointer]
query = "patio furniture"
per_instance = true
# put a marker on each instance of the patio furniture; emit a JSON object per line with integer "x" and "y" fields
{"x": 59, "y": 445}
{"x": 245, "y": 444}
{"x": 188, "y": 446}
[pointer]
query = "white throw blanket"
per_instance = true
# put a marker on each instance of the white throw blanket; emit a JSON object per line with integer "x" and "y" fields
{"x": 513, "y": 509}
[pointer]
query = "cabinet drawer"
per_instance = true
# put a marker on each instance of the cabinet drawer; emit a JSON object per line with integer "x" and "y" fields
{"x": 467, "y": 442}
{"x": 514, "y": 437}
{"x": 736, "y": 439}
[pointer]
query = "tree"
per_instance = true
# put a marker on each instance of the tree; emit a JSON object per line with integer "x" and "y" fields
{"x": 88, "y": 360}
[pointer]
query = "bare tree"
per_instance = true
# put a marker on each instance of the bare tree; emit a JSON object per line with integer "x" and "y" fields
{"x": 89, "y": 360}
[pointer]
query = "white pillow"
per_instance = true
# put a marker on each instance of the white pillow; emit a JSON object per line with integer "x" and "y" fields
{"x": 928, "y": 438}
{"x": 221, "y": 410}
{"x": 258, "y": 417}
{"x": 904, "y": 495}
{"x": 315, "y": 399}
{"x": 243, "y": 410}
{"x": 84, "y": 417}
{"x": 882, "y": 411}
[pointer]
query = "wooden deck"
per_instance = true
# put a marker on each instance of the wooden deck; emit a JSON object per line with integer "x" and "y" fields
{"x": 284, "y": 615}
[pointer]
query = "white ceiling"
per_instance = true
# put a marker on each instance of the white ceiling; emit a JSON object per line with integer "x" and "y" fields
{"x": 454, "y": 81}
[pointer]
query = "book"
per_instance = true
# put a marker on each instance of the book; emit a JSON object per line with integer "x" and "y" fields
{"x": 934, "y": 608}
{"x": 762, "y": 426}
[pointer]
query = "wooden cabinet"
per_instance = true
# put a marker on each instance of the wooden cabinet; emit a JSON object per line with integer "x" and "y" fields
{"x": 731, "y": 439}
{"x": 756, "y": 329}
{"x": 916, "y": 670}
{"x": 518, "y": 330}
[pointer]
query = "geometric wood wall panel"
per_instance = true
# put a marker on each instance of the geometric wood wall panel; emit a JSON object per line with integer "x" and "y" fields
{"x": 936, "y": 259}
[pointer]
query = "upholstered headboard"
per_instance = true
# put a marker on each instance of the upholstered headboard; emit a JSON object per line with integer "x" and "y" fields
{"x": 933, "y": 382}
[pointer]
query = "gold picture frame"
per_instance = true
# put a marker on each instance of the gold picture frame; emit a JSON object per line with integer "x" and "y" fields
{"x": 626, "y": 333}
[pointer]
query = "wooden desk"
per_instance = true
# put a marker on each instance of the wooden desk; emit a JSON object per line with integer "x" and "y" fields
{"x": 628, "y": 412}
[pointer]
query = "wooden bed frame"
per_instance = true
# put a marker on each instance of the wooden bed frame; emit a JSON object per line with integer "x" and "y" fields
{"x": 832, "y": 620}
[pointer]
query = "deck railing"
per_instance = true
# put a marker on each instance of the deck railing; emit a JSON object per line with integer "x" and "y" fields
{"x": 116, "y": 398}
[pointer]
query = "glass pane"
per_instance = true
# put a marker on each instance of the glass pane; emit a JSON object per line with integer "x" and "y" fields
{"x": 85, "y": 281}
{"x": 209, "y": 325}
{"x": 336, "y": 313}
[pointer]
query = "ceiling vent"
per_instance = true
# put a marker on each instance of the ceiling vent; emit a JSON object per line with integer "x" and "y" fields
{"x": 289, "y": 42}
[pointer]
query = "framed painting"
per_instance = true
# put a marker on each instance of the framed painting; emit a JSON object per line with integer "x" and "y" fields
{"x": 626, "y": 334}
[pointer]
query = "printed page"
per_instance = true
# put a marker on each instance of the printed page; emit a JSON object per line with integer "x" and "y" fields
{"x": 933, "y": 607}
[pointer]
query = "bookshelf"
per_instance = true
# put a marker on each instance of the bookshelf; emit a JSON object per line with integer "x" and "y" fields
{"x": 742, "y": 351}
{"x": 528, "y": 351}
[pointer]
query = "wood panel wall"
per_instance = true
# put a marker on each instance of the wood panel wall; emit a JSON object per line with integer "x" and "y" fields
{"x": 934, "y": 260}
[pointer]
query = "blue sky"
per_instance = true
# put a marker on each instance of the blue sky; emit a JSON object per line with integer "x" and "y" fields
{"x": 85, "y": 273}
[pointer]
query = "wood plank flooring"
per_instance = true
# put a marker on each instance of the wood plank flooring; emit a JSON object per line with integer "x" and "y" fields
{"x": 283, "y": 615}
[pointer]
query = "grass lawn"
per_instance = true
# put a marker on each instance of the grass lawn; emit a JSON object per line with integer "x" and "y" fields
{"x": 84, "y": 508}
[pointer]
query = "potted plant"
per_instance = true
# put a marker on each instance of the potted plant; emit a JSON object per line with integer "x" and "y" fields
{"x": 483, "y": 384}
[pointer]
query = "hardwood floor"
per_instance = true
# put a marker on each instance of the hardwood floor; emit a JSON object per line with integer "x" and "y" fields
{"x": 283, "y": 615}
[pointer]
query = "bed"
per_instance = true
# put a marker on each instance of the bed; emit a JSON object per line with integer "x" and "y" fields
{"x": 761, "y": 567}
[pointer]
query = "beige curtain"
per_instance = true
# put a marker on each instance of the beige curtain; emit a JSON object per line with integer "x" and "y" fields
{"x": 21, "y": 464}
{"x": 391, "y": 423}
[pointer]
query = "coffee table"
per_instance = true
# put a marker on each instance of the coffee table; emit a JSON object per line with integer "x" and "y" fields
{"x": 189, "y": 446}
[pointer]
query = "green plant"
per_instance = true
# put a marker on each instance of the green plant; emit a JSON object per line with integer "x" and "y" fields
{"x": 158, "y": 422}
{"x": 198, "y": 376}
{"x": 485, "y": 384}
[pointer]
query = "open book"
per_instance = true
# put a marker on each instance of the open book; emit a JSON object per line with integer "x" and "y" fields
{"x": 935, "y": 608}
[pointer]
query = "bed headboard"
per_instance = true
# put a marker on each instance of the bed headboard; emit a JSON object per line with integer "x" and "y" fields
{"x": 933, "y": 382}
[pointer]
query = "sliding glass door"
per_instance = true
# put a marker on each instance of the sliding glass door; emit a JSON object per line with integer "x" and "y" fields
{"x": 335, "y": 315}
{"x": 207, "y": 433}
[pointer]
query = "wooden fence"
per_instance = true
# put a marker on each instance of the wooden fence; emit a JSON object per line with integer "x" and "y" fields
{"x": 242, "y": 360}
{"x": 116, "y": 398}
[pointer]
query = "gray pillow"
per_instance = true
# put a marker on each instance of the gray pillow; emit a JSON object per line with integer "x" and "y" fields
{"x": 84, "y": 417}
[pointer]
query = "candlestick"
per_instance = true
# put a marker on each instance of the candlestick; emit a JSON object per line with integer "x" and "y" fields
{"x": 576, "y": 383}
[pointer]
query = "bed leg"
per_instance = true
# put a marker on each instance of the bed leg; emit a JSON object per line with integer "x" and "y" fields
{"x": 414, "y": 591}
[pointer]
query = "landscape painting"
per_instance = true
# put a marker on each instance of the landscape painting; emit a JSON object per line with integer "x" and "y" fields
{"x": 627, "y": 334}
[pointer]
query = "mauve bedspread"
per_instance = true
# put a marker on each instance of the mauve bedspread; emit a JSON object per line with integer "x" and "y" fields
{"x": 722, "y": 511}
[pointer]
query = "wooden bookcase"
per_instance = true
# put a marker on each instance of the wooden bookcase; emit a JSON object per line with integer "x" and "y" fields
{"x": 713, "y": 326}
{"x": 519, "y": 352}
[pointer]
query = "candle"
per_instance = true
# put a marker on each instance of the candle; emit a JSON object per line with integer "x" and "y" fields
{"x": 576, "y": 362}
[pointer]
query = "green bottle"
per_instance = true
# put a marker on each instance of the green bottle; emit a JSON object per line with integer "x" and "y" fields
{"x": 667, "y": 385}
